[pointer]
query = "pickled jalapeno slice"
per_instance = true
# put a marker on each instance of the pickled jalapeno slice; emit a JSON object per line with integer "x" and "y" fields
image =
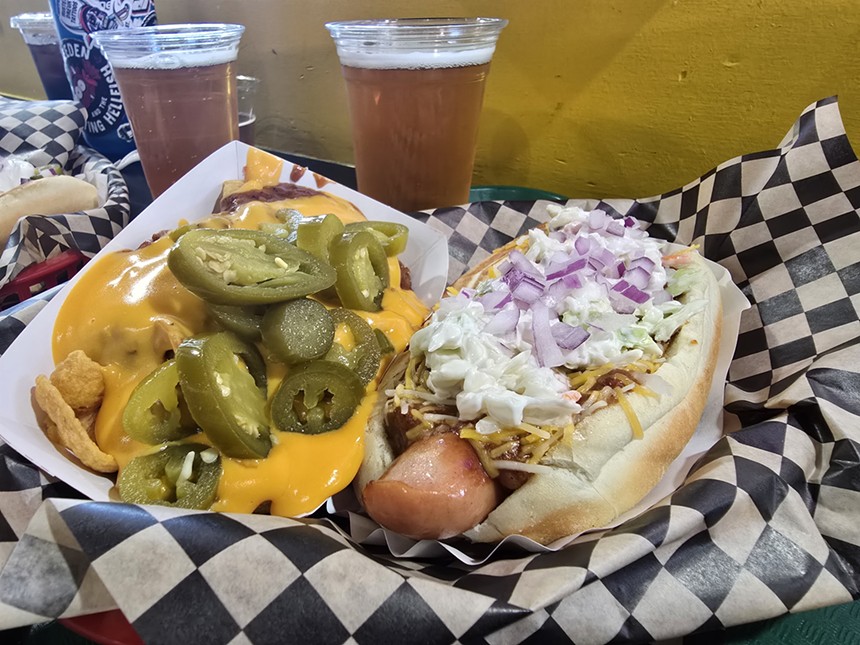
{"x": 223, "y": 380}
{"x": 391, "y": 235}
{"x": 316, "y": 397}
{"x": 180, "y": 475}
{"x": 385, "y": 346}
{"x": 245, "y": 322}
{"x": 362, "y": 270}
{"x": 245, "y": 267}
{"x": 314, "y": 234}
{"x": 355, "y": 345}
{"x": 154, "y": 412}
{"x": 286, "y": 226}
{"x": 298, "y": 330}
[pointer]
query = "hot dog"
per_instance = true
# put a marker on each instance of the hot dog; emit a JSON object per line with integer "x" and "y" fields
{"x": 572, "y": 367}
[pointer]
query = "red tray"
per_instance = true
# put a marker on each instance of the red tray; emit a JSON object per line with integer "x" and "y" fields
{"x": 106, "y": 628}
{"x": 37, "y": 278}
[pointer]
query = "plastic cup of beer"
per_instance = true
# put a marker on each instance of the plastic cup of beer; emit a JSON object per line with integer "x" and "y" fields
{"x": 178, "y": 86}
{"x": 40, "y": 34}
{"x": 246, "y": 90}
{"x": 415, "y": 89}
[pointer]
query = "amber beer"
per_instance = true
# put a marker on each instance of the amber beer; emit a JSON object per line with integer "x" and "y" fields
{"x": 415, "y": 131}
{"x": 179, "y": 116}
{"x": 40, "y": 33}
{"x": 415, "y": 88}
{"x": 178, "y": 87}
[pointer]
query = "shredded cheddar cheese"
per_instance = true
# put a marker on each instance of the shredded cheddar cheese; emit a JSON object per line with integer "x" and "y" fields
{"x": 632, "y": 419}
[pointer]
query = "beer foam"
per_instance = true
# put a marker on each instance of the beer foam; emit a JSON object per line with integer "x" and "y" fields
{"x": 172, "y": 60}
{"x": 394, "y": 59}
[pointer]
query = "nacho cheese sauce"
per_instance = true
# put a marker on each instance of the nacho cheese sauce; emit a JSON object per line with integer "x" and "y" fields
{"x": 123, "y": 311}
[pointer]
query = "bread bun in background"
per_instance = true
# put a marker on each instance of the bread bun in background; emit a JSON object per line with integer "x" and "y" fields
{"x": 53, "y": 195}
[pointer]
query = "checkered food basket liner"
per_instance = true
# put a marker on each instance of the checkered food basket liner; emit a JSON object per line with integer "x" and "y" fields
{"x": 47, "y": 132}
{"x": 766, "y": 523}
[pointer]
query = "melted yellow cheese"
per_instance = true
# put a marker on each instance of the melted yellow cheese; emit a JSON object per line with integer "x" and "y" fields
{"x": 300, "y": 472}
{"x": 344, "y": 337}
{"x": 122, "y": 313}
{"x": 262, "y": 167}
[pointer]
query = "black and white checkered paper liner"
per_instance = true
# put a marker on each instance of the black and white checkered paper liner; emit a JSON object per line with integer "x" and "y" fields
{"x": 768, "y": 522}
{"x": 41, "y": 132}
{"x": 46, "y": 132}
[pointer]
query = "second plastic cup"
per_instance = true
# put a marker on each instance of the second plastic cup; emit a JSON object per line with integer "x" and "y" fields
{"x": 40, "y": 34}
{"x": 178, "y": 86}
{"x": 246, "y": 88}
{"x": 415, "y": 90}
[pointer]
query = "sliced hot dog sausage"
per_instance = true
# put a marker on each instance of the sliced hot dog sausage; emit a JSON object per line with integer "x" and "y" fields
{"x": 436, "y": 488}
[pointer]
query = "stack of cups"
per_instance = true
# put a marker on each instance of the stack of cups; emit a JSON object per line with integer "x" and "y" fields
{"x": 40, "y": 34}
{"x": 415, "y": 90}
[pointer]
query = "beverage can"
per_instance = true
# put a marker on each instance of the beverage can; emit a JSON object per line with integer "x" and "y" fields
{"x": 92, "y": 81}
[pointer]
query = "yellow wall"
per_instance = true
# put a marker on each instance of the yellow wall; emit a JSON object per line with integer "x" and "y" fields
{"x": 588, "y": 98}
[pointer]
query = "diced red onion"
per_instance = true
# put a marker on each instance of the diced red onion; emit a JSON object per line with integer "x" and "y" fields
{"x": 495, "y": 299}
{"x": 611, "y": 271}
{"x": 556, "y": 262}
{"x": 629, "y": 222}
{"x": 468, "y": 293}
{"x": 522, "y": 263}
{"x": 620, "y": 286}
{"x": 621, "y": 304}
{"x": 596, "y": 220}
{"x": 575, "y": 265}
{"x": 644, "y": 262}
{"x": 635, "y": 294}
{"x": 513, "y": 277}
{"x": 528, "y": 290}
{"x": 638, "y": 277}
{"x": 547, "y": 352}
{"x": 572, "y": 281}
{"x": 504, "y": 322}
{"x": 615, "y": 228}
{"x": 556, "y": 292}
{"x": 567, "y": 336}
{"x": 606, "y": 257}
{"x": 582, "y": 245}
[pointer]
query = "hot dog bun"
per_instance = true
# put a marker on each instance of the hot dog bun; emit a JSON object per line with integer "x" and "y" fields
{"x": 600, "y": 469}
{"x": 54, "y": 195}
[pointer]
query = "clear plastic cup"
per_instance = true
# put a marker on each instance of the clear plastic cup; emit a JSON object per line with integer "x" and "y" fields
{"x": 40, "y": 34}
{"x": 246, "y": 89}
{"x": 178, "y": 85}
{"x": 415, "y": 88}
